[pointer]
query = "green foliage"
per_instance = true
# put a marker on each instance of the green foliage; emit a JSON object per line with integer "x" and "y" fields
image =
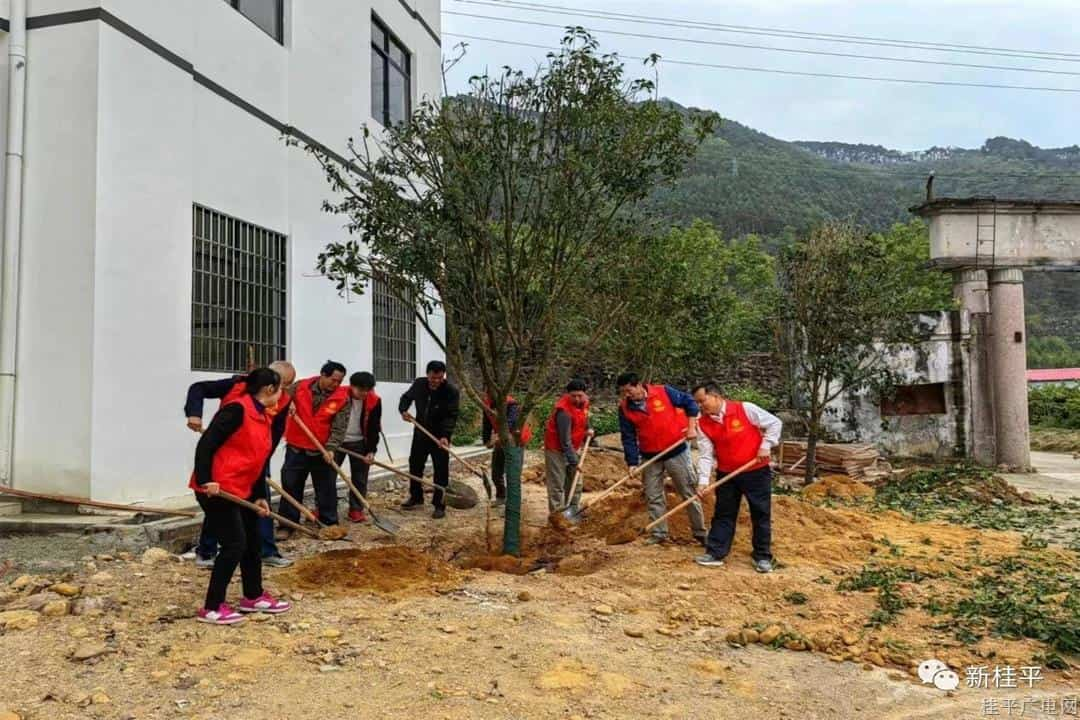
{"x": 796, "y": 598}
{"x": 468, "y": 428}
{"x": 695, "y": 300}
{"x": 748, "y": 393}
{"x": 1023, "y": 597}
{"x": 886, "y": 580}
{"x": 1054, "y": 406}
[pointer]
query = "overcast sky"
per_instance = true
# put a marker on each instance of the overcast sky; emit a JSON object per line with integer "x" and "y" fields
{"x": 904, "y": 117}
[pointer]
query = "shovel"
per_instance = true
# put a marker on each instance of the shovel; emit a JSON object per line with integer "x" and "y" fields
{"x": 327, "y": 532}
{"x": 382, "y": 523}
{"x": 252, "y": 506}
{"x": 568, "y": 511}
{"x": 577, "y": 516}
{"x": 459, "y": 495}
{"x": 469, "y": 466}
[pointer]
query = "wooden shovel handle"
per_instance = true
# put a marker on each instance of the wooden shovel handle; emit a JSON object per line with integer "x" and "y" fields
{"x": 72, "y": 500}
{"x": 463, "y": 461}
{"x": 330, "y": 459}
{"x": 252, "y": 506}
{"x": 294, "y": 502}
{"x": 686, "y": 502}
{"x": 409, "y": 476}
{"x": 636, "y": 471}
{"x": 577, "y": 471}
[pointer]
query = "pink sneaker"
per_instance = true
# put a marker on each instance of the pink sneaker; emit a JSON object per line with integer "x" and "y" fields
{"x": 264, "y": 603}
{"x": 224, "y": 615}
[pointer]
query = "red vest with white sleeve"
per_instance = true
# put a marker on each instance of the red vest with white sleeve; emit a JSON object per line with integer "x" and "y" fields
{"x": 735, "y": 440}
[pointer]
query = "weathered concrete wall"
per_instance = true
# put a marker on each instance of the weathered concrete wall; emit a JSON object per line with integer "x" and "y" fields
{"x": 942, "y": 358}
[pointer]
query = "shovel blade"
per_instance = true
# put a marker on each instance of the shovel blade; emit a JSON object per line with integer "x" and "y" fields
{"x": 573, "y": 514}
{"x": 384, "y": 524}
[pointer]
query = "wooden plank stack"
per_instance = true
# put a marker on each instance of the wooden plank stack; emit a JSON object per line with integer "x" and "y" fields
{"x": 858, "y": 461}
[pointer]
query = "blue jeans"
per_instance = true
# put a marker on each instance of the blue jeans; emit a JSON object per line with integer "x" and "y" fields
{"x": 208, "y": 544}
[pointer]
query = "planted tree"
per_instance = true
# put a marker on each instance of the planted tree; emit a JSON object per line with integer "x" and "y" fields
{"x": 847, "y": 296}
{"x": 509, "y": 211}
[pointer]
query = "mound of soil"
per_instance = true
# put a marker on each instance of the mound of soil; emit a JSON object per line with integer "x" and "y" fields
{"x": 837, "y": 487}
{"x": 391, "y": 570}
{"x": 601, "y": 470}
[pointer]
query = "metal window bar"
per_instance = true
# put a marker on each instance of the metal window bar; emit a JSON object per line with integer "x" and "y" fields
{"x": 238, "y": 292}
{"x": 394, "y": 330}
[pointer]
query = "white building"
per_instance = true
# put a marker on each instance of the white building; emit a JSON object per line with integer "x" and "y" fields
{"x": 166, "y": 225}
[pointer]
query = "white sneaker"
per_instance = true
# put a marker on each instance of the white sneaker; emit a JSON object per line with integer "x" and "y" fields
{"x": 189, "y": 555}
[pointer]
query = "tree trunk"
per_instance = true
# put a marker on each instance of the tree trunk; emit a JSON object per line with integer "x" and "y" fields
{"x": 811, "y": 451}
{"x": 515, "y": 456}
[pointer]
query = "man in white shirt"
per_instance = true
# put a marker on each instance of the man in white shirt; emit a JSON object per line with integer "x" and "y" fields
{"x": 731, "y": 434}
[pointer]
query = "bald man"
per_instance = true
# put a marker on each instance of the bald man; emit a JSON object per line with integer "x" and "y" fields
{"x": 227, "y": 390}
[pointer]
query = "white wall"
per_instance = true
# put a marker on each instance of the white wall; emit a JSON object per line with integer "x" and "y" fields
{"x": 120, "y": 143}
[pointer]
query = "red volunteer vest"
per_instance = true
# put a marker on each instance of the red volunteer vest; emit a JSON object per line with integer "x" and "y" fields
{"x": 735, "y": 441}
{"x": 660, "y": 425}
{"x": 526, "y": 431}
{"x": 240, "y": 461}
{"x": 239, "y": 389}
{"x": 579, "y": 423}
{"x": 318, "y": 421}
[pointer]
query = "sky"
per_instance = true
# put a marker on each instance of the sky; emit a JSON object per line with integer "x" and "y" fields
{"x": 898, "y": 116}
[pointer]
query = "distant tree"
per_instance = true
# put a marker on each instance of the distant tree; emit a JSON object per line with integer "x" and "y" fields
{"x": 700, "y": 301}
{"x": 845, "y": 299}
{"x": 510, "y": 211}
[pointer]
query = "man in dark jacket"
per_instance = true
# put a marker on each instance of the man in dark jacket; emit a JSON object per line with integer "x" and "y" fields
{"x": 361, "y": 436}
{"x": 437, "y": 407}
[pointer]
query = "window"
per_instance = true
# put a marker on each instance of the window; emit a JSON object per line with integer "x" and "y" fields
{"x": 237, "y": 293}
{"x": 926, "y": 399}
{"x": 267, "y": 14}
{"x": 390, "y": 86}
{"x": 395, "y": 336}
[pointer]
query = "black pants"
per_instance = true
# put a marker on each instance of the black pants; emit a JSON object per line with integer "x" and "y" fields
{"x": 756, "y": 485}
{"x": 237, "y": 533}
{"x": 498, "y": 471}
{"x": 358, "y": 471}
{"x": 294, "y": 474}
{"x": 423, "y": 448}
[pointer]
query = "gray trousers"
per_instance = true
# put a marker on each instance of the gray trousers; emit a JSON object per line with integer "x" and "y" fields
{"x": 681, "y": 473}
{"x": 559, "y": 476}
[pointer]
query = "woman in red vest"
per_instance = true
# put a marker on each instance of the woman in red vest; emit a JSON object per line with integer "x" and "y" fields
{"x": 230, "y": 457}
{"x": 730, "y": 434}
{"x": 490, "y": 435}
{"x": 564, "y": 436}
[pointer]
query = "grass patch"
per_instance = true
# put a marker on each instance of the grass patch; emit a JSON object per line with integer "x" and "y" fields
{"x": 886, "y": 581}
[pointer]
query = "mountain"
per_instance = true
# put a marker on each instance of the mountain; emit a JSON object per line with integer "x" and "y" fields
{"x": 744, "y": 181}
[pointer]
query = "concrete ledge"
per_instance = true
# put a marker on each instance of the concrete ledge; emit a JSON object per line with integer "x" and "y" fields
{"x": 136, "y": 530}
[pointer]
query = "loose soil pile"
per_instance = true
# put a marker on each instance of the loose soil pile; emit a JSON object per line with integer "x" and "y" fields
{"x": 601, "y": 470}
{"x": 392, "y": 570}
{"x": 837, "y": 487}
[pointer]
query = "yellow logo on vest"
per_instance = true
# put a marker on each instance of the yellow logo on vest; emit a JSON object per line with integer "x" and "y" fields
{"x": 737, "y": 425}
{"x": 332, "y": 405}
{"x": 658, "y": 405}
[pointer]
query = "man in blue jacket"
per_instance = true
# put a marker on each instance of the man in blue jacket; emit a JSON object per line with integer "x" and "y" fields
{"x": 653, "y": 418}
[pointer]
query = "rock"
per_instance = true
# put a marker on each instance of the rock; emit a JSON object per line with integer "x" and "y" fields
{"x": 769, "y": 634}
{"x": 684, "y": 586}
{"x": 749, "y": 636}
{"x": 87, "y": 651}
{"x": 334, "y": 633}
{"x": 734, "y": 637}
{"x": 448, "y": 629}
{"x": 101, "y": 578}
{"x": 634, "y": 632}
{"x": 124, "y": 555}
{"x": 37, "y": 601}
{"x": 56, "y": 608}
{"x": 104, "y": 557}
{"x": 605, "y": 610}
{"x": 22, "y": 582}
{"x": 89, "y": 606}
{"x": 875, "y": 657}
{"x": 849, "y": 638}
{"x": 18, "y": 619}
{"x": 80, "y": 698}
{"x": 329, "y": 668}
{"x": 67, "y": 589}
{"x": 820, "y": 643}
{"x": 524, "y": 596}
{"x": 796, "y": 644}
{"x": 9, "y": 715}
{"x": 156, "y": 556}
{"x": 78, "y": 632}
{"x": 100, "y": 698}
{"x": 867, "y": 666}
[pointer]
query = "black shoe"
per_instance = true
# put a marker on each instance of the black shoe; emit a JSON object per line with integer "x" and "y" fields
{"x": 439, "y": 513}
{"x": 412, "y": 504}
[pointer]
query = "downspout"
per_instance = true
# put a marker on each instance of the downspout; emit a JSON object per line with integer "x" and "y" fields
{"x": 12, "y": 240}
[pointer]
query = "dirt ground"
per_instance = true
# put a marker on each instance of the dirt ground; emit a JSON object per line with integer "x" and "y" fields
{"x": 433, "y": 624}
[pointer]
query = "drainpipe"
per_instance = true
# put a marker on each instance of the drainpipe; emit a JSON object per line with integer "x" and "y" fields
{"x": 9, "y": 282}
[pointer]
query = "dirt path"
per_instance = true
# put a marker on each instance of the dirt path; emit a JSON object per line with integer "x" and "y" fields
{"x": 395, "y": 627}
